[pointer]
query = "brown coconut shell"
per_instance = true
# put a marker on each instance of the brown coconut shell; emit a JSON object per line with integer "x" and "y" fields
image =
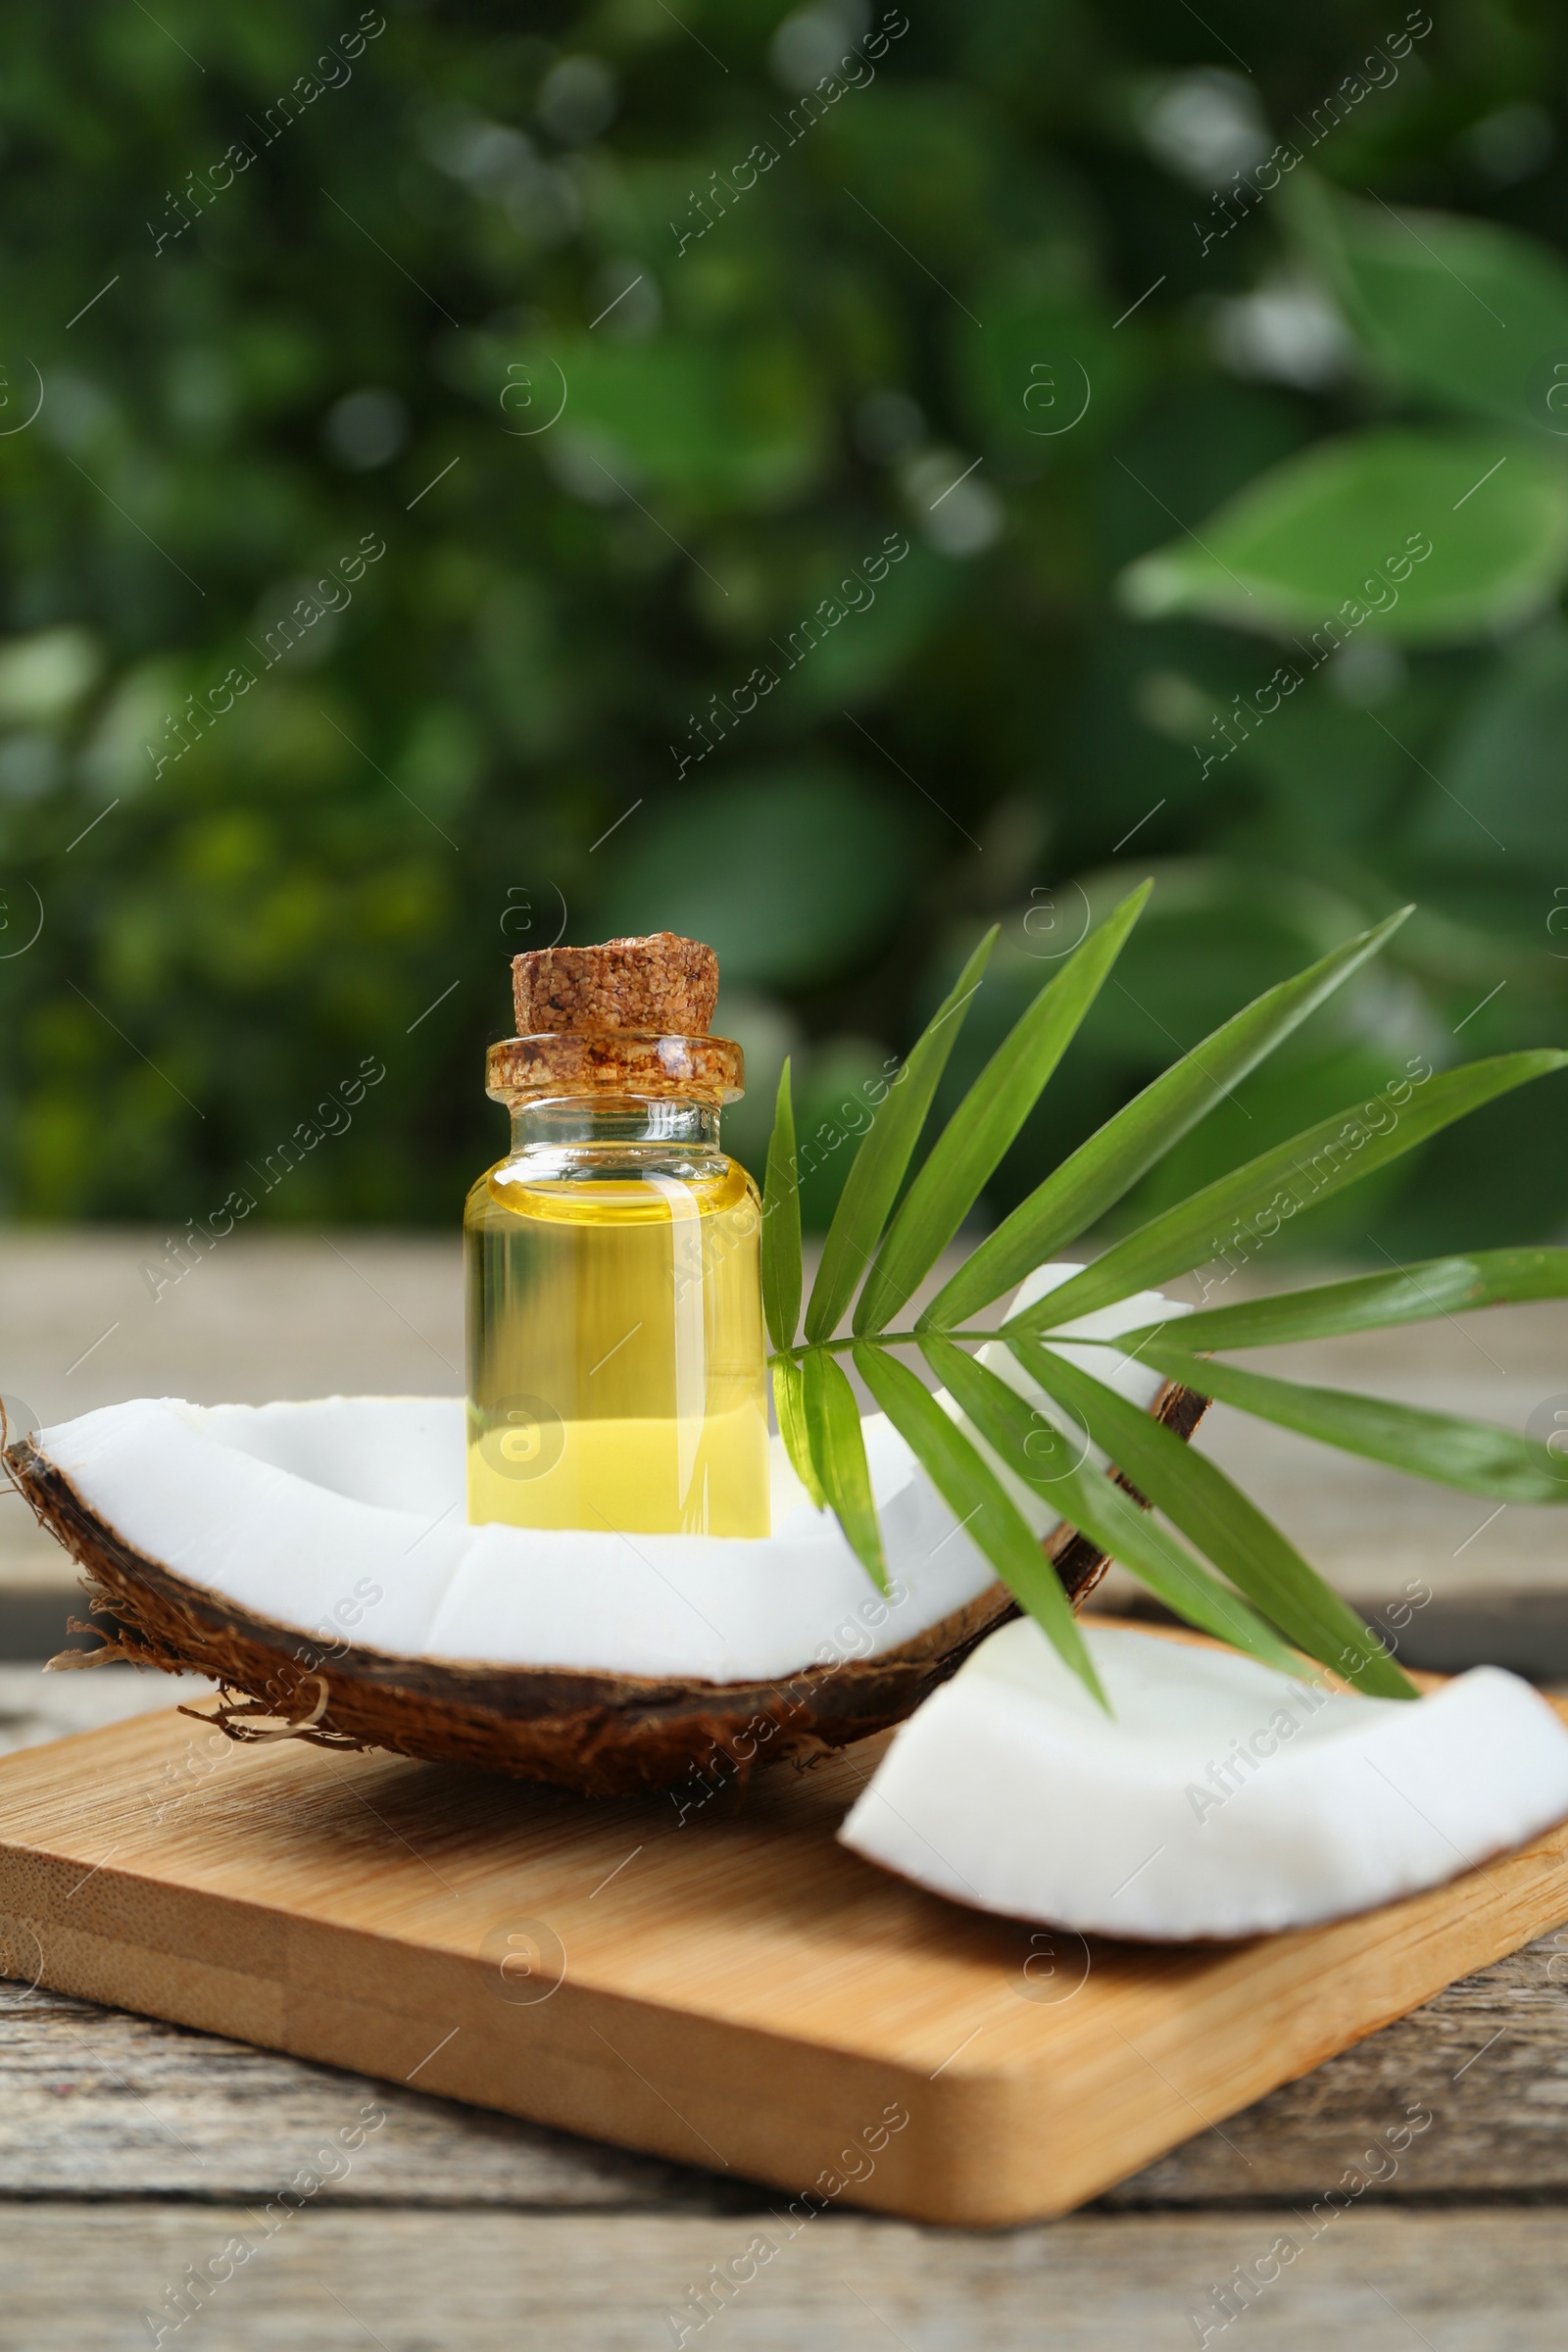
{"x": 602, "y": 1734}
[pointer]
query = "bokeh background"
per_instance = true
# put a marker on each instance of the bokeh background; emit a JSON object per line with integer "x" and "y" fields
{"x": 497, "y": 392}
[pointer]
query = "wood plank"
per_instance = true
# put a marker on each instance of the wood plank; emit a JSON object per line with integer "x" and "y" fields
{"x": 339, "y": 2280}
{"x": 97, "y": 2103}
{"x": 739, "y": 1992}
{"x": 1488, "y": 2059}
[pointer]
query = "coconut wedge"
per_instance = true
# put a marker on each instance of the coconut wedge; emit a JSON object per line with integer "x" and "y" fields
{"x": 315, "y": 1561}
{"x": 1221, "y": 1799}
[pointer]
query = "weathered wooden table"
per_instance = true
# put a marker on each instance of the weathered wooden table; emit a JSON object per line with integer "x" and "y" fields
{"x": 1417, "y": 2180}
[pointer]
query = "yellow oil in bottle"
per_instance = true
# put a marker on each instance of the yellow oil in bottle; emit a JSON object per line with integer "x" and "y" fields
{"x": 616, "y": 1347}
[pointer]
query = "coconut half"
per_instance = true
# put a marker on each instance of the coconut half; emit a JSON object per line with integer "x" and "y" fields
{"x": 314, "y": 1559}
{"x": 1221, "y": 1799}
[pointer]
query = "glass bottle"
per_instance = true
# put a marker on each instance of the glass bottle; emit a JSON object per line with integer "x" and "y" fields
{"x": 616, "y": 1359}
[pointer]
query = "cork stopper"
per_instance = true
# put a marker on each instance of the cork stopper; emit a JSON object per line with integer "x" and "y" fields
{"x": 629, "y": 1017}
{"x": 663, "y": 985}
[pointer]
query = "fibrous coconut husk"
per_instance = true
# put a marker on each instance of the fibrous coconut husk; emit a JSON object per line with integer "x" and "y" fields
{"x": 602, "y": 1734}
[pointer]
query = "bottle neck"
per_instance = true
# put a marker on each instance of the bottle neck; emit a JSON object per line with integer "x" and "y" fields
{"x": 617, "y": 1119}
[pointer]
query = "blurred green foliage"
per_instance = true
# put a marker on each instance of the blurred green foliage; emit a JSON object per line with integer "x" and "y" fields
{"x": 634, "y": 334}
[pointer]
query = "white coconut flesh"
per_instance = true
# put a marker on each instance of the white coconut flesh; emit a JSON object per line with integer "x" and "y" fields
{"x": 1221, "y": 1799}
{"x": 345, "y": 1519}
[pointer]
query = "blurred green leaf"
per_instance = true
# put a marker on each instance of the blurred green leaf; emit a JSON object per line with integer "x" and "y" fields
{"x": 1467, "y": 311}
{"x": 708, "y": 422}
{"x": 1418, "y": 537}
{"x": 1048, "y": 380}
{"x": 1332, "y": 772}
{"x": 566, "y": 611}
{"x": 926, "y": 167}
{"x": 840, "y": 1081}
{"x": 1274, "y": 1102}
{"x": 741, "y": 864}
{"x": 1217, "y": 933}
{"x": 879, "y": 1168}
{"x": 1095, "y": 1176}
{"x": 863, "y": 652}
{"x": 1310, "y": 1168}
{"x": 1494, "y": 1181}
{"x": 1502, "y": 770}
{"x": 966, "y": 1152}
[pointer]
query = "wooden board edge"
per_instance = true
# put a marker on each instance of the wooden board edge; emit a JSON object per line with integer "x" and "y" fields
{"x": 981, "y": 2143}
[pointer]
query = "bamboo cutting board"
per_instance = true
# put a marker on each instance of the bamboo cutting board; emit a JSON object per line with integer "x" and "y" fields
{"x": 731, "y": 1988}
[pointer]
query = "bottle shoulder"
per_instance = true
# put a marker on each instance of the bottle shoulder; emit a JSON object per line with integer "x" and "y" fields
{"x": 592, "y": 1188}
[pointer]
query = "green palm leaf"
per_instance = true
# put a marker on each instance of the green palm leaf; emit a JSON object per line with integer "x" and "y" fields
{"x": 1228, "y": 1217}
{"x": 1435, "y": 1286}
{"x": 789, "y": 1403}
{"x": 1195, "y": 1493}
{"x": 1470, "y": 1454}
{"x": 1092, "y": 1179}
{"x": 970, "y": 1147}
{"x": 781, "y": 1223}
{"x": 878, "y": 1167}
{"x": 1091, "y": 1502}
{"x": 1298, "y": 1173}
{"x": 972, "y": 1489}
{"x": 838, "y": 1449}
